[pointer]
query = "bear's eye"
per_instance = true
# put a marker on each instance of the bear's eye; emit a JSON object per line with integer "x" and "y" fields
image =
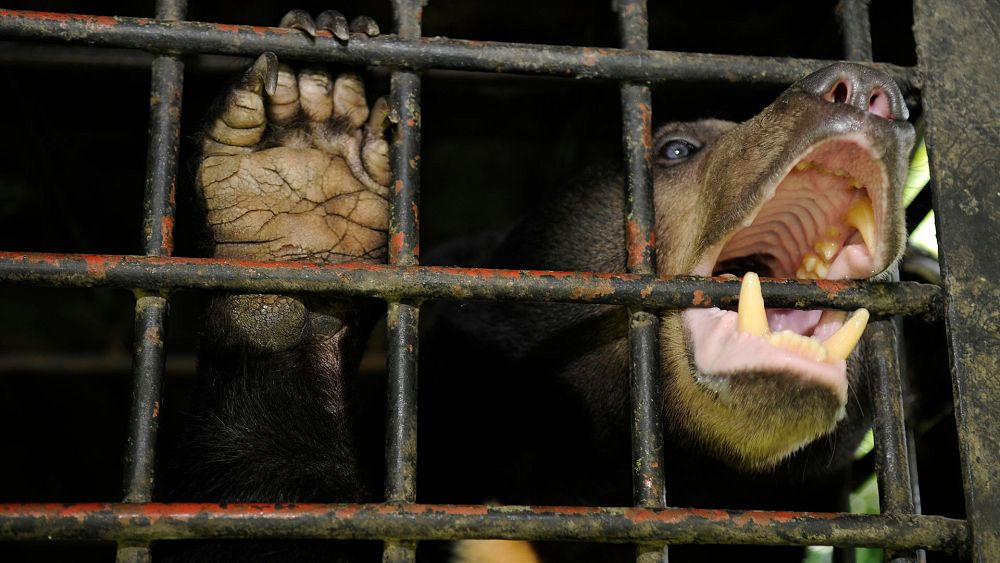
{"x": 677, "y": 149}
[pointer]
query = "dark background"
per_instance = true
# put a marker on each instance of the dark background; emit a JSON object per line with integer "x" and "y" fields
{"x": 72, "y": 174}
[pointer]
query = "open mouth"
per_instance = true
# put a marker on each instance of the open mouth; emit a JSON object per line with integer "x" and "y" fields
{"x": 823, "y": 220}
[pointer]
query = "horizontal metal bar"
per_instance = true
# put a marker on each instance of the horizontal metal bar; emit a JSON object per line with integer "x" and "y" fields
{"x": 144, "y": 522}
{"x": 428, "y": 282}
{"x": 435, "y": 52}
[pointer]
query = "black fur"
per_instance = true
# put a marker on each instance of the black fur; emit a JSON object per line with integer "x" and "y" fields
{"x": 520, "y": 403}
{"x": 280, "y": 427}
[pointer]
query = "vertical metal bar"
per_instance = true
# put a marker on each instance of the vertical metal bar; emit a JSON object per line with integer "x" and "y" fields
{"x": 647, "y": 435}
{"x": 151, "y": 310}
{"x": 403, "y": 317}
{"x": 891, "y": 445}
{"x": 892, "y": 459}
{"x": 958, "y": 49}
{"x": 856, "y": 29}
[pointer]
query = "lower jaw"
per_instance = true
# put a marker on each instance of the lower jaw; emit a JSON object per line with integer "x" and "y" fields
{"x": 719, "y": 350}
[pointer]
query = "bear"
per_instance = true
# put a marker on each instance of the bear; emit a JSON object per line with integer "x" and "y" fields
{"x": 528, "y": 403}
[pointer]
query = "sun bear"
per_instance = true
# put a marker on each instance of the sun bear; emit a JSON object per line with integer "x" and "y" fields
{"x": 527, "y": 403}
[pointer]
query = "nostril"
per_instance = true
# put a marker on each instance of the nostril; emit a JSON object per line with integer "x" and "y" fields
{"x": 878, "y": 104}
{"x": 863, "y": 89}
{"x": 839, "y": 93}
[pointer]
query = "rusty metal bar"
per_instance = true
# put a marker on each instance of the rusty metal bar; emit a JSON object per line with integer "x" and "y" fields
{"x": 891, "y": 448}
{"x": 856, "y": 29}
{"x": 580, "y": 62}
{"x": 147, "y": 366}
{"x": 637, "y": 137}
{"x": 403, "y": 316}
{"x": 429, "y": 282}
{"x": 155, "y": 521}
{"x": 958, "y": 49}
{"x": 151, "y": 310}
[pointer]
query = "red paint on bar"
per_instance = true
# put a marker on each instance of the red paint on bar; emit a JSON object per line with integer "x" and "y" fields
{"x": 637, "y": 246}
{"x": 62, "y": 510}
{"x": 673, "y": 515}
{"x": 831, "y": 287}
{"x": 462, "y": 510}
{"x": 96, "y": 266}
{"x": 167, "y": 231}
{"x": 153, "y": 335}
{"x": 347, "y": 511}
{"x": 699, "y": 297}
{"x": 262, "y": 30}
{"x": 647, "y": 128}
{"x": 396, "y": 244}
{"x": 102, "y": 262}
{"x": 595, "y": 284}
{"x": 54, "y": 260}
{"x": 59, "y": 17}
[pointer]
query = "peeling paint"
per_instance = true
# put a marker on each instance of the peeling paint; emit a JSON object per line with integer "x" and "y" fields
{"x": 422, "y": 282}
{"x": 122, "y": 522}
{"x": 423, "y": 52}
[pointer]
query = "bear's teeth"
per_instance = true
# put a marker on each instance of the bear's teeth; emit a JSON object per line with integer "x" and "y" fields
{"x": 752, "y": 317}
{"x": 801, "y": 345}
{"x": 841, "y": 343}
{"x": 861, "y": 216}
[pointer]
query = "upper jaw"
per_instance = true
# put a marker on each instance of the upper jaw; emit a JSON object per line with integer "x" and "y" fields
{"x": 835, "y": 196}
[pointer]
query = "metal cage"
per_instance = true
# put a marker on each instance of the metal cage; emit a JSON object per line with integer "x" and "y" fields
{"x": 959, "y": 66}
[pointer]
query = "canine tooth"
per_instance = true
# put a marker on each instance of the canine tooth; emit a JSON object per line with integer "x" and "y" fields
{"x": 752, "y": 318}
{"x": 861, "y": 216}
{"x": 826, "y": 248}
{"x": 841, "y": 343}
